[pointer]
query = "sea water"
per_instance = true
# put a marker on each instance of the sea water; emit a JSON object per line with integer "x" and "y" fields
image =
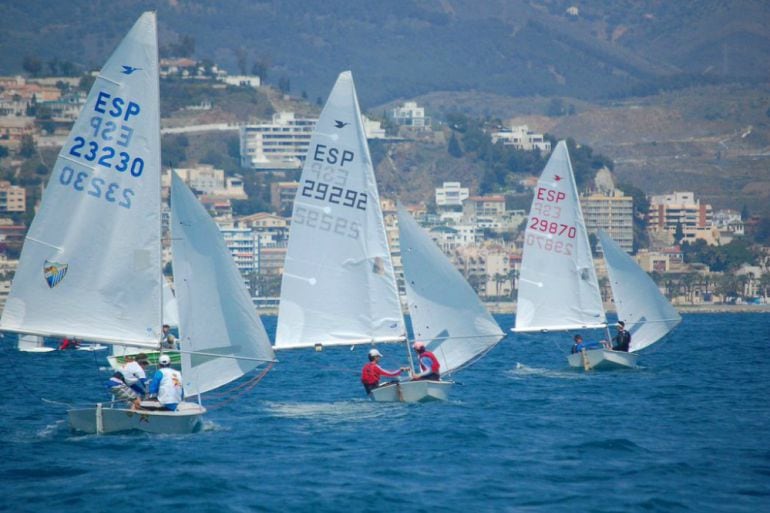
{"x": 689, "y": 430}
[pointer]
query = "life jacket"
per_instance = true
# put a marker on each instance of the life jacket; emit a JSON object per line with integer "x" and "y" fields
{"x": 434, "y": 365}
{"x": 170, "y": 390}
{"x": 370, "y": 374}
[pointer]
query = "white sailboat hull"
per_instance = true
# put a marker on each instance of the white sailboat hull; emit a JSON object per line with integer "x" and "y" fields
{"x": 104, "y": 420}
{"x": 420, "y": 391}
{"x": 37, "y": 349}
{"x": 602, "y": 359}
{"x": 92, "y": 347}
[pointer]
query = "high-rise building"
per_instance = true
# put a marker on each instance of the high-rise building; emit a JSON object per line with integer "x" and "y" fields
{"x": 667, "y": 211}
{"x": 281, "y": 144}
{"x": 612, "y": 212}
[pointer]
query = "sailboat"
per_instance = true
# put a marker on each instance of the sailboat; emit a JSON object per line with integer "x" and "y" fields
{"x": 445, "y": 311}
{"x": 639, "y": 303}
{"x": 339, "y": 287}
{"x": 91, "y": 263}
{"x": 558, "y": 288}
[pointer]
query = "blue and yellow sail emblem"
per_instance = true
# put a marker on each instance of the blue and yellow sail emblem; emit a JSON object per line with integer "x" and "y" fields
{"x": 54, "y": 272}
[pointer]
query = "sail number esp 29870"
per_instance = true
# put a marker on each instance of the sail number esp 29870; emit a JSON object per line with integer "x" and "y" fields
{"x": 545, "y": 218}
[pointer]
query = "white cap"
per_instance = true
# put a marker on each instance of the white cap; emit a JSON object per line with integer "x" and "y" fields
{"x": 374, "y": 352}
{"x": 164, "y": 360}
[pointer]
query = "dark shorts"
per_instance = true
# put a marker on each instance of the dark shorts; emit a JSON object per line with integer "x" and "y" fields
{"x": 429, "y": 377}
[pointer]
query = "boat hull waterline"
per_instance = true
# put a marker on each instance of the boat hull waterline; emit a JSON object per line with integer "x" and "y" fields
{"x": 420, "y": 391}
{"x": 187, "y": 419}
{"x": 603, "y": 359}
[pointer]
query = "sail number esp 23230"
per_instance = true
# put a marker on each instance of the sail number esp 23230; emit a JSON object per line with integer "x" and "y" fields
{"x": 107, "y": 144}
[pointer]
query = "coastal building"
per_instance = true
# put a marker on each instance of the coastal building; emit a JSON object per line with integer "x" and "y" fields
{"x": 12, "y": 198}
{"x": 279, "y": 145}
{"x": 282, "y": 196}
{"x": 681, "y": 209}
{"x": 487, "y": 268}
{"x": 243, "y": 81}
{"x": 451, "y": 194}
{"x": 410, "y": 115}
{"x": 611, "y": 212}
{"x": 521, "y": 138}
{"x": 208, "y": 180}
{"x": 14, "y": 128}
{"x": 475, "y": 207}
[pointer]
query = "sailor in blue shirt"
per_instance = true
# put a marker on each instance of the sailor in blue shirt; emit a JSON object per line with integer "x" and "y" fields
{"x": 579, "y": 345}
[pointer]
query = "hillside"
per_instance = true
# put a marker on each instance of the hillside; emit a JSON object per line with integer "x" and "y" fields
{"x": 606, "y": 49}
{"x": 714, "y": 140}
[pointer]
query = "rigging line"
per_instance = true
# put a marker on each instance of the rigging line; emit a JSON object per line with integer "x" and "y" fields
{"x": 253, "y": 382}
{"x": 230, "y": 390}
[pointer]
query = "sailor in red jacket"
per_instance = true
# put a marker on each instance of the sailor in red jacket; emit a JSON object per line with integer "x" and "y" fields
{"x": 371, "y": 373}
{"x": 429, "y": 366}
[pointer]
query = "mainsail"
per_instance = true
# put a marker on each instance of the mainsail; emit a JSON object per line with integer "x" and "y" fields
{"x": 91, "y": 261}
{"x": 338, "y": 284}
{"x": 446, "y": 313}
{"x": 558, "y": 289}
{"x": 222, "y": 337}
{"x": 646, "y": 312}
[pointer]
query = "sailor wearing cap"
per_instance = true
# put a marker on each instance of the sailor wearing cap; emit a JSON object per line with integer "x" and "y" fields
{"x": 372, "y": 372}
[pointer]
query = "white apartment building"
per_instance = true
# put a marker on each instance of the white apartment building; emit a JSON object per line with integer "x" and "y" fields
{"x": 243, "y": 80}
{"x": 241, "y": 243}
{"x": 373, "y": 129}
{"x": 476, "y": 207}
{"x": 451, "y": 194}
{"x": 681, "y": 208}
{"x": 729, "y": 224}
{"x": 210, "y": 181}
{"x": 410, "y": 115}
{"x": 281, "y": 144}
{"x": 12, "y": 197}
{"x": 521, "y": 138}
{"x": 612, "y": 212}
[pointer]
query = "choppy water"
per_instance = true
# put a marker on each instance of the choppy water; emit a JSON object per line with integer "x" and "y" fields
{"x": 689, "y": 431}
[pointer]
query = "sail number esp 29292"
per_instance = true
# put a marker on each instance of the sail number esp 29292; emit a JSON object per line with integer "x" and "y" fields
{"x": 326, "y": 184}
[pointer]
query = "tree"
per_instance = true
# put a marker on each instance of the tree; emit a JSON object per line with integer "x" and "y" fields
{"x": 678, "y": 233}
{"x": 454, "y": 147}
{"x": 284, "y": 85}
{"x": 27, "y": 148}
{"x": 32, "y": 65}
{"x": 555, "y": 107}
{"x": 260, "y": 67}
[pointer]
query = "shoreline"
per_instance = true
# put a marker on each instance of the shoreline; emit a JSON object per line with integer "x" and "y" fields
{"x": 510, "y": 308}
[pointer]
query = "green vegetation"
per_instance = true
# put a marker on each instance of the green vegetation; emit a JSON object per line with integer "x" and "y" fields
{"x": 721, "y": 258}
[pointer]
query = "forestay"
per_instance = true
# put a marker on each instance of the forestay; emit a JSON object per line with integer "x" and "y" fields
{"x": 446, "y": 313}
{"x": 91, "y": 261}
{"x": 646, "y": 312}
{"x": 558, "y": 289}
{"x": 217, "y": 316}
{"x": 338, "y": 285}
